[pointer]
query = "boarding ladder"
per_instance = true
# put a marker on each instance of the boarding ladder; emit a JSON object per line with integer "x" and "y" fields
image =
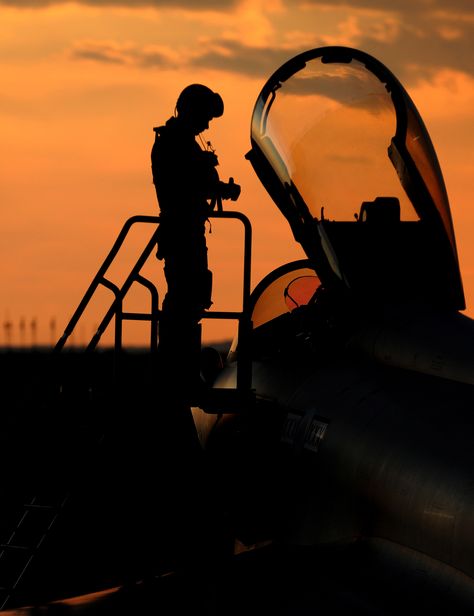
{"x": 35, "y": 518}
{"x": 37, "y": 515}
{"x": 229, "y": 398}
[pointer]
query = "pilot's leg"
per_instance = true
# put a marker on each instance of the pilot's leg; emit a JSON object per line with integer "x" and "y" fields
{"x": 180, "y": 331}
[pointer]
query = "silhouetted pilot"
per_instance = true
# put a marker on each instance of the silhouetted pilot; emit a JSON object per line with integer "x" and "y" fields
{"x": 188, "y": 188}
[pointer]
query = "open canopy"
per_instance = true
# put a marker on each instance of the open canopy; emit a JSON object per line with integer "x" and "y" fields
{"x": 343, "y": 152}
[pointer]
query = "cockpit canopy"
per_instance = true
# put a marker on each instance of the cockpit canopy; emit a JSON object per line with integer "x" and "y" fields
{"x": 343, "y": 152}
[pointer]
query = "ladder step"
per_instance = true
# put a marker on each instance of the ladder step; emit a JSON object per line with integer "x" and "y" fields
{"x": 31, "y": 507}
{"x": 12, "y": 546}
{"x": 34, "y": 524}
{"x": 139, "y": 316}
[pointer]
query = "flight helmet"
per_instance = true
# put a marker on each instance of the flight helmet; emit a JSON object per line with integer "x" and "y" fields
{"x": 199, "y": 100}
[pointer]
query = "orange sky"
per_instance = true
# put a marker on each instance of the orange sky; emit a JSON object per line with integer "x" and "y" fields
{"x": 84, "y": 83}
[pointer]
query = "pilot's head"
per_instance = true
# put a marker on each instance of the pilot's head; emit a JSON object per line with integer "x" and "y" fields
{"x": 197, "y": 105}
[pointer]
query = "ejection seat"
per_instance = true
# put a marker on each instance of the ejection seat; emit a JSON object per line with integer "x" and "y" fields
{"x": 381, "y": 211}
{"x": 368, "y": 248}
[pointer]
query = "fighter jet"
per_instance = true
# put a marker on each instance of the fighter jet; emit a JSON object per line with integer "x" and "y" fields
{"x": 338, "y": 432}
{"x": 362, "y": 363}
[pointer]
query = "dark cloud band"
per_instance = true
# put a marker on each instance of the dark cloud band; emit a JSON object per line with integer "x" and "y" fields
{"x": 184, "y": 4}
{"x": 108, "y": 53}
{"x": 417, "y": 61}
{"x": 420, "y": 58}
{"x": 383, "y": 5}
{"x": 400, "y": 6}
{"x": 420, "y": 45}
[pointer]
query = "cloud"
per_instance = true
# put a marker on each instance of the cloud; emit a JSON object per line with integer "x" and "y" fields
{"x": 414, "y": 39}
{"x": 415, "y": 48}
{"x": 235, "y": 57}
{"x": 225, "y": 55}
{"x": 110, "y": 52}
{"x": 405, "y": 6}
{"x": 420, "y": 54}
{"x": 184, "y": 4}
{"x": 422, "y": 57}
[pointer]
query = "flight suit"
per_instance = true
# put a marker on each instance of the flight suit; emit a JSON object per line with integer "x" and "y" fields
{"x": 186, "y": 180}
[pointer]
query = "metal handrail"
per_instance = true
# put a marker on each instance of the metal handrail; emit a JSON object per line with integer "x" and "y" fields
{"x": 100, "y": 277}
{"x": 116, "y": 308}
{"x": 244, "y": 363}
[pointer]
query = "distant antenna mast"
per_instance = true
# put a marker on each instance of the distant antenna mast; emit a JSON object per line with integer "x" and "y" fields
{"x": 52, "y": 331}
{"x": 22, "y": 327}
{"x": 34, "y": 331}
{"x": 8, "y": 326}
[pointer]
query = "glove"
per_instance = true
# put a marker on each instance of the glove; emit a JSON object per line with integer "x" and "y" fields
{"x": 231, "y": 190}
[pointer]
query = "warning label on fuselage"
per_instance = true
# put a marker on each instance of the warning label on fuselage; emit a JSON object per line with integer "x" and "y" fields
{"x": 304, "y": 431}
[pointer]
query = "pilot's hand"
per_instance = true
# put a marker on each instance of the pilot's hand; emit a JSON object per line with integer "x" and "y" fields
{"x": 211, "y": 158}
{"x": 231, "y": 190}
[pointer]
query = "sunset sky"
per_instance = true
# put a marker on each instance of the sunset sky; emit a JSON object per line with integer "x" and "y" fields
{"x": 83, "y": 84}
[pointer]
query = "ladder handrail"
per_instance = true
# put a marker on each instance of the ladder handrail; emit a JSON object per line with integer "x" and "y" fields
{"x": 122, "y": 292}
{"x": 244, "y": 378}
{"x": 244, "y": 362}
{"x": 116, "y": 308}
{"x": 246, "y": 283}
{"x": 99, "y": 277}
